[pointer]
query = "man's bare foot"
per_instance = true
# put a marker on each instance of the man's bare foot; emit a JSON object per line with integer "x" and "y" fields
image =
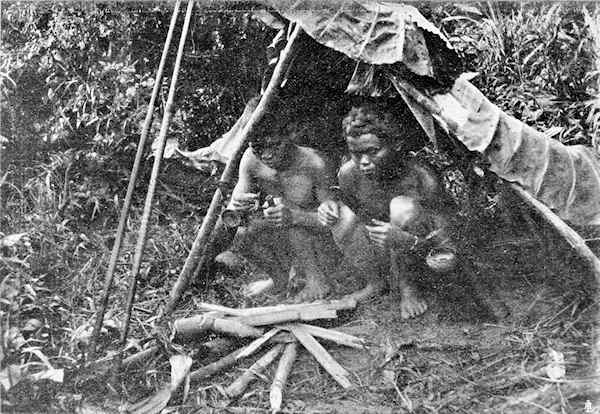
{"x": 313, "y": 290}
{"x": 411, "y": 305}
{"x": 367, "y": 292}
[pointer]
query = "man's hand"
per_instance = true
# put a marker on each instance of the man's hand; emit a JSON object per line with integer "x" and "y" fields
{"x": 328, "y": 213}
{"x": 244, "y": 202}
{"x": 278, "y": 215}
{"x": 387, "y": 235}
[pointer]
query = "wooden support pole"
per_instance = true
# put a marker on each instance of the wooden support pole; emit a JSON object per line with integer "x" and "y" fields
{"x": 114, "y": 256}
{"x": 162, "y": 139}
{"x": 212, "y": 213}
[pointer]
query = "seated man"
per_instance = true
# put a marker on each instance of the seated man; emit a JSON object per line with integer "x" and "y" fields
{"x": 388, "y": 216}
{"x": 289, "y": 233}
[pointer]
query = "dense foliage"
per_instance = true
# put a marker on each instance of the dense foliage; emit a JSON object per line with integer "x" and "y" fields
{"x": 76, "y": 80}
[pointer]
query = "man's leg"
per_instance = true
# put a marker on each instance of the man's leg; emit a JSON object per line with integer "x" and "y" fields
{"x": 267, "y": 248}
{"x": 404, "y": 213}
{"x": 309, "y": 251}
{"x": 352, "y": 239}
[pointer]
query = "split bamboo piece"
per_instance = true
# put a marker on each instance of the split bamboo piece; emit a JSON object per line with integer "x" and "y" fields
{"x": 341, "y": 304}
{"x": 257, "y": 343}
{"x": 239, "y": 385}
{"x": 281, "y": 375}
{"x": 271, "y": 318}
{"x": 338, "y": 337}
{"x": 200, "y": 324}
{"x": 321, "y": 355}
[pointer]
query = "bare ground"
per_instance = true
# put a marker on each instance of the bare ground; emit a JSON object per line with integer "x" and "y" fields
{"x": 456, "y": 357}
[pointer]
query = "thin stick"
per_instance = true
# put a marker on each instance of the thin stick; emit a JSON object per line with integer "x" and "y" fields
{"x": 141, "y": 356}
{"x": 281, "y": 375}
{"x": 114, "y": 256}
{"x": 211, "y": 216}
{"x": 162, "y": 138}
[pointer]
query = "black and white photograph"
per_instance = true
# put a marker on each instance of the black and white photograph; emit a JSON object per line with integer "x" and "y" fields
{"x": 275, "y": 206}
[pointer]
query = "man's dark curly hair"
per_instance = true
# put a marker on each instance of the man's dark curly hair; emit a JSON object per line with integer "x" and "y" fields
{"x": 373, "y": 118}
{"x": 273, "y": 122}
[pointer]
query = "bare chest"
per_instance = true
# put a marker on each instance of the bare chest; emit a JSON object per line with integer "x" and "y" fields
{"x": 375, "y": 197}
{"x": 296, "y": 187}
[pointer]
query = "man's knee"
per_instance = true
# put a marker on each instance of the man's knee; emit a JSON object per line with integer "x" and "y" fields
{"x": 404, "y": 211}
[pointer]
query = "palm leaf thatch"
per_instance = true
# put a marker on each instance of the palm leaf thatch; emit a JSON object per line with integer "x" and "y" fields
{"x": 384, "y": 38}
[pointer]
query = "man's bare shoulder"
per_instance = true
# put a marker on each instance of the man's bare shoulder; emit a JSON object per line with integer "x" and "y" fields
{"x": 315, "y": 160}
{"x": 348, "y": 174}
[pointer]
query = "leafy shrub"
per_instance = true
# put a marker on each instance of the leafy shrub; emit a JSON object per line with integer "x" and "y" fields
{"x": 536, "y": 61}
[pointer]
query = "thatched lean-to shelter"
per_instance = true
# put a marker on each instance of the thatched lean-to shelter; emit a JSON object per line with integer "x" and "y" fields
{"x": 326, "y": 56}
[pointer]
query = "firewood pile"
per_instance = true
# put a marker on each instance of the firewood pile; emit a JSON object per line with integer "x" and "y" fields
{"x": 281, "y": 327}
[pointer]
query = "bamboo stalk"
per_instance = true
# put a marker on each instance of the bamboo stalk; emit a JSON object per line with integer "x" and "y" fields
{"x": 162, "y": 139}
{"x": 281, "y": 375}
{"x": 340, "y": 304}
{"x": 286, "y": 316}
{"x": 201, "y": 324}
{"x": 114, "y": 256}
{"x": 322, "y": 356}
{"x": 241, "y": 383}
{"x": 338, "y": 337}
{"x": 211, "y": 216}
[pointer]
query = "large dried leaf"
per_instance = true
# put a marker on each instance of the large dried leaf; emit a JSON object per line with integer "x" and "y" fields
{"x": 564, "y": 177}
{"x": 372, "y": 32}
{"x": 180, "y": 370}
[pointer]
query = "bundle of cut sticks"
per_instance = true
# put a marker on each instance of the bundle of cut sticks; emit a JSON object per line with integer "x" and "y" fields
{"x": 280, "y": 325}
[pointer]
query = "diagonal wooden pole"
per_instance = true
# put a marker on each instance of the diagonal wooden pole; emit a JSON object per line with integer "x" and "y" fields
{"x": 131, "y": 186}
{"x": 162, "y": 139}
{"x": 211, "y": 216}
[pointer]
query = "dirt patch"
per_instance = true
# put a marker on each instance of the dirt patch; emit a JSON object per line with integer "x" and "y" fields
{"x": 455, "y": 358}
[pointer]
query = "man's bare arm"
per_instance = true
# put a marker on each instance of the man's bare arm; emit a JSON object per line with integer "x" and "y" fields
{"x": 245, "y": 188}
